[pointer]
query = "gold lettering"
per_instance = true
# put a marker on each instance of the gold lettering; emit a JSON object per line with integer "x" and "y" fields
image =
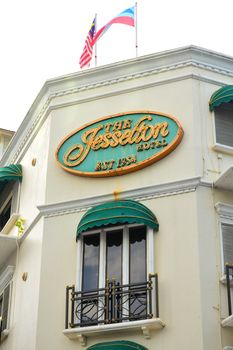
{"x": 121, "y": 134}
{"x": 96, "y": 143}
{"x": 108, "y": 126}
{"x": 147, "y": 128}
{"x": 127, "y": 124}
{"x": 117, "y": 126}
{"x": 125, "y": 137}
{"x": 82, "y": 153}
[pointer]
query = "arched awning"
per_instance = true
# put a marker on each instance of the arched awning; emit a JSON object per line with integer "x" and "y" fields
{"x": 222, "y": 95}
{"x": 117, "y": 212}
{"x": 117, "y": 345}
{"x": 12, "y": 172}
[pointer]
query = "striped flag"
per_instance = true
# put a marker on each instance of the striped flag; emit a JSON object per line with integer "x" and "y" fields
{"x": 125, "y": 17}
{"x": 88, "y": 47}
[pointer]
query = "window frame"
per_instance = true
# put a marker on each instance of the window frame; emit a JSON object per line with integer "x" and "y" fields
{"x": 125, "y": 253}
{"x": 222, "y": 222}
{"x": 6, "y": 280}
{"x": 219, "y": 146}
{"x": 10, "y": 195}
{"x": 225, "y": 216}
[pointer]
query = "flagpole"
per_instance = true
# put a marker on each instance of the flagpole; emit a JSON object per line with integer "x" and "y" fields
{"x": 136, "y": 28}
{"x": 96, "y": 42}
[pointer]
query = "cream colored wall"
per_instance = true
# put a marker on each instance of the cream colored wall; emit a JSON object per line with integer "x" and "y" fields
{"x": 176, "y": 261}
{"x": 25, "y": 297}
{"x": 187, "y": 247}
{"x": 34, "y": 177}
{"x": 168, "y": 98}
{"x": 58, "y": 269}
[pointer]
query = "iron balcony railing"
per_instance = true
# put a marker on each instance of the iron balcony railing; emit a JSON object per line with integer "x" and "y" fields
{"x": 113, "y": 304}
{"x": 229, "y": 277}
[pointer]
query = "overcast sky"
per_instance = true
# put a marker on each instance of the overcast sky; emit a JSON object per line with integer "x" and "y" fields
{"x": 43, "y": 39}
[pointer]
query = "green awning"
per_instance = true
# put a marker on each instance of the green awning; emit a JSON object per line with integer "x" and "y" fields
{"x": 117, "y": 345}
{"x": 12, "y": 172}
{"x": 117, "y": 212}
{"x": 224, "y": 94}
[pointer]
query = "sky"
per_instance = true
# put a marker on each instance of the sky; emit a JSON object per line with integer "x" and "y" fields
{"x": 43, "y": 39}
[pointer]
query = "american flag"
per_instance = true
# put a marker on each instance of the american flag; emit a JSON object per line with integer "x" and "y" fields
{"x": 88, "y": 48}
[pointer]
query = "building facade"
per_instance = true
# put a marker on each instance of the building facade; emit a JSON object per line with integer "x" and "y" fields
{"x": 116, "y": 209}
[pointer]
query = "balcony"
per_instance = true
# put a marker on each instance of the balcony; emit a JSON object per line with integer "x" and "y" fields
{"x": 116, "y": 307}
{"x": 228, "y": 321}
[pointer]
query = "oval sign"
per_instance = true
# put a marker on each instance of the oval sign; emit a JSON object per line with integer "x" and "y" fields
{"x": 119, "y": 144}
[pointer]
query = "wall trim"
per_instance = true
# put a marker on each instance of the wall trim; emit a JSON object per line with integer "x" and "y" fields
{"x": 6, "y": 276}
{"x": 224, "y": 210}
{"x": 138, "y": 194}
{"x": 190, "y": 56}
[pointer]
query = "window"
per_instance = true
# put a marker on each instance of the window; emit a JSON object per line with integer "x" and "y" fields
{"x": 5, "y": 297}
{"x": 114, "y": 263}
{"x": 224, "y": 124}
{"x": 5, "y": 213}
{"x": 227, "y": 244}
{"x": 8, "y": 204}
{"x": 4, "y": 307}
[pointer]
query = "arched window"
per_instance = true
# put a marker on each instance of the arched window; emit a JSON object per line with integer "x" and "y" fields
{"x": 115, "y": 246}
{"x": 221, "y": 102}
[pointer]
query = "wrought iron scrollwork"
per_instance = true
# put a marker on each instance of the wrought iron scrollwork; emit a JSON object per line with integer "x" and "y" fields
{"x": 113, "y": 304}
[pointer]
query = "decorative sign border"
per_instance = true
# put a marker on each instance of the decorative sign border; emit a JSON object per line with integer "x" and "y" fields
{"x": 68, "y": 159}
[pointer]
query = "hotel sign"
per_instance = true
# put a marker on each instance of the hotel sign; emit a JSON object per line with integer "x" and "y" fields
{"x": 119, "y": 144}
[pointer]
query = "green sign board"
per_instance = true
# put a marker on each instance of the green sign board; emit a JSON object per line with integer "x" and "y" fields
{"x": 119, "y": 144}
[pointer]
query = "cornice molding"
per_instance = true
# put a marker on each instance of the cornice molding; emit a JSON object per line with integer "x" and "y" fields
{"x": 24, "y": 143}
{"x": 141, "y": 67}
{"x": 224, "y": 210}
{"x": 138, "y": 194}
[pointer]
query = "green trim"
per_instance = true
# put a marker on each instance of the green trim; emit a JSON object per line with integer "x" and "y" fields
{"x": 117, "y": 345}
{"x": 12, "y": 172}
{"x": 117, "y": 212}
{"x": 222, "y": 95}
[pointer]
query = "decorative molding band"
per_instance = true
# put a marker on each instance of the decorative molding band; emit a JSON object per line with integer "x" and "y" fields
{"x": 6, "y": 277}
{"x": 138, "y": 194}
{"x": 224, "y": 210}
{"x": 29, "y": 228}
{"x": 21, "y": 139}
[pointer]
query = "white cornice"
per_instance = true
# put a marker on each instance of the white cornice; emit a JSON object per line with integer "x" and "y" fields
{"x": 145, "y": 193}
{"x": 224, "y": 210}
{"x": 140, "y": 67}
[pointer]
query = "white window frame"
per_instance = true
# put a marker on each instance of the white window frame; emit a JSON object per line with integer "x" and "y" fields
{"x": 225, "y": 212}
{"x": 6, "y": 279}
{"x": 219, "y": 146}
{"x": 125, "y": 255}
{"x": 10, "y": 195}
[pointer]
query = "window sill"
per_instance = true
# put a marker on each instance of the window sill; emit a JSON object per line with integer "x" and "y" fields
{"x": 223, "y": 280}
{"x": 223, "y": 148}
{"x": 81, "y": 333}
{"x": 4, "y": 334}
{"x": 227, "y": 322}
{"x": 10, "y": 223}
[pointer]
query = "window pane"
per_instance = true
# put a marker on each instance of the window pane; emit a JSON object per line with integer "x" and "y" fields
{"x": 91, "y": 262}
{"x": 137, "y": 249}
{"x": 227, "y": 243}
{"x": 6, "y": 296}
{"x": 224, "y": 124}
{"x": 5, "y": 215}
{"x": 114, "y": 255}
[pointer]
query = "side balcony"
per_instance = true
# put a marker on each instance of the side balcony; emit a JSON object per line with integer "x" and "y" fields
{"x": 228, "y": 321}
{"x": 116, "y": 307}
